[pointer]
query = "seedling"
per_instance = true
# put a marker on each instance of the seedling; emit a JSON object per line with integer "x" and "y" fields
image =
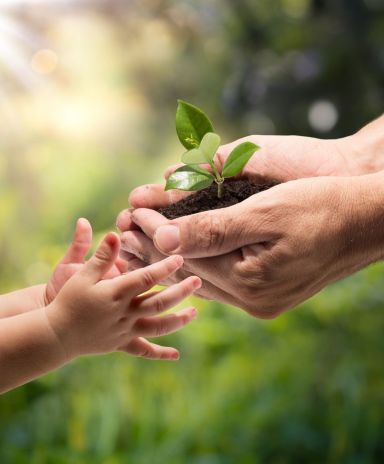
{"x": 197, "y": 135}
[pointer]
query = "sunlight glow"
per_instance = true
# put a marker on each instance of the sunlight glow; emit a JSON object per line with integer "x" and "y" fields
{"x": 17, "y": 44}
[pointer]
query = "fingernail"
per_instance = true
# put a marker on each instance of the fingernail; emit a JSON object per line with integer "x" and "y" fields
{"x": 167, "y": 238}
{"x": 111, "y": 239}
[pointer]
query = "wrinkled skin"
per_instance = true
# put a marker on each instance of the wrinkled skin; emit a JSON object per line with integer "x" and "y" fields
{"x": 275, "y": 249}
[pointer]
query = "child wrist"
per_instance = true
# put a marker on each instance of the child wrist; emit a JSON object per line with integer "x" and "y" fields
{"x": 59, "y": 331}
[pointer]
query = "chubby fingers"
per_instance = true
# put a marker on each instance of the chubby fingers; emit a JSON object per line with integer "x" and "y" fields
{"x": 159, "y": 326}
{"x": 212, "y": 271}
{"x": 156, "y": 302}
{"x": 103, "y": 259}
{"x": 81, "y": 243}
{"x": 141, "y": 280}
{"x": 141, "y": 347}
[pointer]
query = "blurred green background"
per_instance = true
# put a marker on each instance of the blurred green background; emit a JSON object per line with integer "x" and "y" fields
{"x": 87, "y": 101}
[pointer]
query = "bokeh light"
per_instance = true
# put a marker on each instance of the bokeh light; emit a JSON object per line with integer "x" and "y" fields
{"x": 44, "y": 61}
{"x": 323, "y": 116}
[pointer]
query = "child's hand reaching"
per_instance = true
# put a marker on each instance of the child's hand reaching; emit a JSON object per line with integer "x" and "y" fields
{"x": 89, "y": 313}
{"x": 92, "y": 315}
{"x": 74, "y": 260}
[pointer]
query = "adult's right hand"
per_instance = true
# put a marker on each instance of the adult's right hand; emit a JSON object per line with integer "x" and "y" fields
{"x": 274, "y": 250}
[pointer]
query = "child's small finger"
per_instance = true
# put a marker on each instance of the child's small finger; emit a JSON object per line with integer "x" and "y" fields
{"x": 81, "y": 243}
{"x": 157, "y": 302}
{"x": 144, "y": 279}
{"x": 159, "y": 326}
{"x": 145, "y": 349}
{"x": 104, "y": 257}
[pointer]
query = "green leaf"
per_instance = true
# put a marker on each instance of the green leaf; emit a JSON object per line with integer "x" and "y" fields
{"x": 206, "y": 151}
{"x": 189, "y": 178}
{"x": 238, "y": 158}
{"x": 191, "y": 124}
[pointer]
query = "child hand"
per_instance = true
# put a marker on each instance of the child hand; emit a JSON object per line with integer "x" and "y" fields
{"x": 74, "y": 260}
{"x": 91, "y": 315}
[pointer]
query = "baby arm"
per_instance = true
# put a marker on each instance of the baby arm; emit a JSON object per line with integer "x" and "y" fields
{"x": 91, "y": 315}
{"x": 21, "y": 301}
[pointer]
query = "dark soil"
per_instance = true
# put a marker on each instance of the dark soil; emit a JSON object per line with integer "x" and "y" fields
{"x": 234, "y": 191}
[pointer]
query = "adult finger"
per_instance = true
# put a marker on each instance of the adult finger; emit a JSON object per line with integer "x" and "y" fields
{"x": 124, "y": 221}
{"x": 132, "y": 261}
{"x": 142, "y": 247}
{"x": 214, "y": 270}
{"x": 138, "y": 244}
{"x": 209, "y": 233}
{"x": 81, "y": 243}
{"x": 159, "y": 326}
{"x": 120, "y": 267}
{"x": 141, "y": 347}
{"x": 153, "y": 196}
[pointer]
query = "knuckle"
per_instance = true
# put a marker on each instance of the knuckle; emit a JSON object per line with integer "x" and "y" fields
{"x": 159, "y": 305}
{"x": 266, "y": 312}
{"x": 212, "y": 231}
{"x": 145, "y": 353}
{"x": 148, "y": 278}
{"x": 161, "y": 329}
{"x": 102, "y": 254}
{"x": 117, "y": 297}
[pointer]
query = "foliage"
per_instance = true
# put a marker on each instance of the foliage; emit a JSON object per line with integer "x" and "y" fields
{"x": 307, "y": 387}
{"x": 195, "y": 131}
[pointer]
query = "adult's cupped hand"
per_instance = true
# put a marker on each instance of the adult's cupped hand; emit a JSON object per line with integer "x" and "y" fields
{"x": 266, "y": 254}
{"x": 277, "y": 248}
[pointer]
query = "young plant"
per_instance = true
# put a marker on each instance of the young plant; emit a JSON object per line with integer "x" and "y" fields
{"x": 197, "y": 135}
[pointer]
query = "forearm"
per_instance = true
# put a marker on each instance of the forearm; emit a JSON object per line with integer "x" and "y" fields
{"x": 361, "y": 236}
{"x": 21, "y": 301}
{"x": 364, "y": 151}
{"x": 372, "y": 205}
{"x": 28, "y": 349}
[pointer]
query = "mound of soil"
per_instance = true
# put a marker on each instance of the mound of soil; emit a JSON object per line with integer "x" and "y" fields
{"x": 234, "y": 191}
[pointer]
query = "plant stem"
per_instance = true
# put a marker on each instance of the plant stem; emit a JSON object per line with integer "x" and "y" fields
{"x": 219, "y": 189}
{"x": 216, "y": 172}
{"x": 219, "y": 180}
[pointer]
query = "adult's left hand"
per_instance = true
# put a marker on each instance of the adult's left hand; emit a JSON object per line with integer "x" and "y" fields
{"x": 275, "y": 249}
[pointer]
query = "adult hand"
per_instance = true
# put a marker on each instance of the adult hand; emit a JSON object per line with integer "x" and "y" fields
{"x": 280, "y": 158}
{"x": 273, "y": 250}
{"x": 285, "y": 158}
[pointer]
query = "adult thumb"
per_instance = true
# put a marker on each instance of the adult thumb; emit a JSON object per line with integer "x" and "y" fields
{"x": 104, "y": 257}
{"x": 209, "y": 233}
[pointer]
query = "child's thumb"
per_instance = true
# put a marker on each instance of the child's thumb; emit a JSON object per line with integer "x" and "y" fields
{"x": 104, "y": 257}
